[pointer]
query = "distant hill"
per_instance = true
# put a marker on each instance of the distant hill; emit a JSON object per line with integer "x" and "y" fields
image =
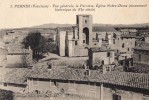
{"x": 96, "y": 27}
{"x": 52, "y": 25}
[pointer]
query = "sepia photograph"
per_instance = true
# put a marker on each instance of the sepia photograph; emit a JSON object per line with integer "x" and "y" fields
{"x": 74, "y": 50}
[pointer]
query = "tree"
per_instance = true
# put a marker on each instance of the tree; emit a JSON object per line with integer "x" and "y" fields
{"x": 37, "y": 44}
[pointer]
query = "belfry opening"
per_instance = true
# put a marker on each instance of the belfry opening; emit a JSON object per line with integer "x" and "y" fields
{"x": 86, "y": 35}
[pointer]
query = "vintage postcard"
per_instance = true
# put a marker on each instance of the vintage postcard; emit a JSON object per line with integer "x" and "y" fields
{"x": 74, "y": 50}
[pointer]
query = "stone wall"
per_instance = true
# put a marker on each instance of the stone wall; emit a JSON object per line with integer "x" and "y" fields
{"x": 88, "y": 89}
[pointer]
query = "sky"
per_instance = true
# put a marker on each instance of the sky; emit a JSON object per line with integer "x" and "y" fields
{"x": 26, "y": 17}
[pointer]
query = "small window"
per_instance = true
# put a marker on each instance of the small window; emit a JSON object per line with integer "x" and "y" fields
{"x": 83, "y": 41}
{"x": 128, "y": 49}
{"x": 76, "y": 43}
{"x": 116, "y": 97}
{"x": 108, "y": 54}
{"x": 5, "y": 84}
{"x": 123, "y": 45}
{"x": 49, "y": 66}
{"x": 36, "y": 91}
{"x": 113, "y": 41}
{"x": 107, "y": 69}
{"x": 102, "y": 62}
{"x": 85, "y": 21}
{"x": 131, "y": 63}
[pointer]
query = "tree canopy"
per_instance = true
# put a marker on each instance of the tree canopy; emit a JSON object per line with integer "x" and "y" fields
{"x": 37, "y": 43}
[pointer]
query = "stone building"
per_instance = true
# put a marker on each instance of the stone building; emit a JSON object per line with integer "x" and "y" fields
{"x": 77, "y": 41}
{"x": 81, "y": 82}
{"x": 101, "y": 56}
{"x": 125, "y": 41}
{"x": 18, "y": 57}
{"x": 60, "y": 39}
{"x": 92, "y": 83}
{"x": 141, "y": 53}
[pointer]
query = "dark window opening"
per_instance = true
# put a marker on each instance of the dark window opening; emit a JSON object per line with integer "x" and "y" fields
{"x": 123, "y": 45}
{"x": 131, "y": 63}
{"x": 86, "y": 35}
{"x": 85, "y": 21}
{"x": 55, "y": 83}
{"x": 116, "y": 97}
{"x": 49, "y": 66}
{"x": 108, "y": 54}
{"x": 102, "y": 62}
{"x": 76, "y": 43}
{"x": 107, "y": 69}
{"x": 113, "y": 41}
{"x": 5, "y": 84}
{"x": 128, "y": 49}
{"x": 37, "y": 92}
{"x": 83, "y": 41}
{"x": 135, "y": 43}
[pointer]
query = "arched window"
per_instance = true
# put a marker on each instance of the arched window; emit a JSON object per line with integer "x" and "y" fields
{"x": 86, "y": 35}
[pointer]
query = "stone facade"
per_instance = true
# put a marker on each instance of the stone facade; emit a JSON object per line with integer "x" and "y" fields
{"x": 94, "y": 90}
{"x": 18, "y": 58}
{"x": 78, "y": 40}
{"x": 60, "y": 39}
{"x": 101, "y": 56}
{"x": 141, "y": 53}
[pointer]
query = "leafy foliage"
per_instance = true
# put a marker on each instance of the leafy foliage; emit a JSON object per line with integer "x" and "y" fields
{"x": 37, "y": 43}
{"x": 6, "y": 95}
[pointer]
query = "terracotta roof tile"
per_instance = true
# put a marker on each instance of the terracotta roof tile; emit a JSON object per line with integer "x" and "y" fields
{"x": 138, "y": 80}
{"x": 14, "y": 75}
{"x": 129, "y": 79}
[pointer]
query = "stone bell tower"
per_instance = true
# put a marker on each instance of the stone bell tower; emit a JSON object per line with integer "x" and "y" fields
{"x": 84, "y": 23}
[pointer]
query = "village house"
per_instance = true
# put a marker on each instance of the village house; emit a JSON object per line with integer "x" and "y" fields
{"x": 141, "y": 57}
{"x": 95, "y": 84}
{"x": 101, "y": 56}
{"x": 13, "y": 79}
{"x": 17, "y": 56}
{"x": 141, "y": 53}
{"x": 90, "y": 83}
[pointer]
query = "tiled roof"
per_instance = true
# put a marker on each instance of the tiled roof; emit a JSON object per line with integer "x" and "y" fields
{"x": 129, "y": 79}
{"x": 14, "y": 75}
{"x": 142, "y": 45}
{"x": 136, "y": 80}
{"x": 128, "y": 35}
{"x": 97, "y": 49}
